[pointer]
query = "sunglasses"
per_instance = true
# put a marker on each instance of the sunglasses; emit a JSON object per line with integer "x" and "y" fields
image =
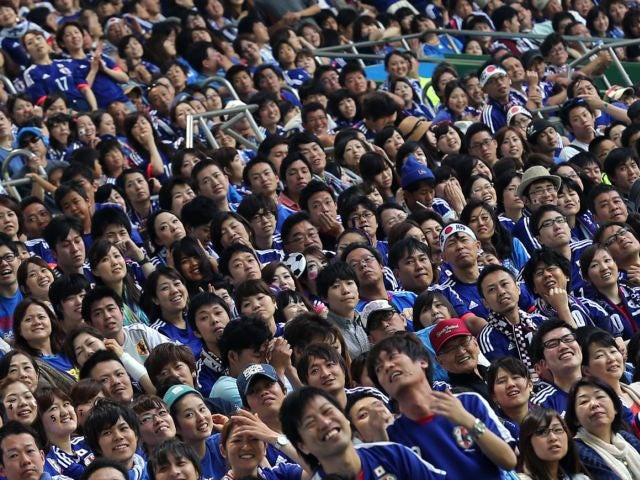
{"x": 26, "y": 142}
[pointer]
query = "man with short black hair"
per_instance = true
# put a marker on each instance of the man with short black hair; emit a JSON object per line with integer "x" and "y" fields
{"x": 21, "y": 455}
{"x": 366, "y": 261}
{"x": 555, "y": 351}
{"x": 337, "y": 286}
{"x": 311, "y": 148}
{"x": 103, "y": 308}
{"x": 509, "y": 329}
{"x": 578, "y": 117}
{"x": 463, "y": 433}
{"x": 315, "y": 120}
{"x": 360, "y": 212}
{"x": 239, "y": 263}
{"x": 299, "y": 233}
{"x": 211, "y": 181}
{"x": 379, "y": 110}
{"x": 623, "y": 169}
{"x": 64, "y": 236}
{"x": 480, "y": 143}
{"x": 553, "y": 231}
{"x": 244, "y": 341}
{"x": 105, "y": 469}
{"x": 111, "y": 430}
{"x": 318, "y": 199}
{"x": 607, "y": 205}
{"x": 409, "y": 259}
{"x": 334, "y": 452}
{"x": 107, "y": 368}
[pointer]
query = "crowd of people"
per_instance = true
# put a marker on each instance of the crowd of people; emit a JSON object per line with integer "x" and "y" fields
{"x": 416, "y": 278}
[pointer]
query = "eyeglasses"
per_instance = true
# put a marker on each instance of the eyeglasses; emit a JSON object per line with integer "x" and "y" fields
{"x": 551, "y": 344}
{"x": 483, "y": 144}
{"x": 557, "y": 50}
{"x": 31, "y": 141}
{"x": 363, "y": 262}
{"x": 553, "y": 221}
{"x": 545, "y": 432}
{"x": 543, "y": 191}
{"x": 147, "y": 418}
{"x": 9, "y": 257}
{"x": 264, "y": 215}
{"x": 454, "y": 347}
{"x": 615, "y": 237}
{"x": 363, "y": 216}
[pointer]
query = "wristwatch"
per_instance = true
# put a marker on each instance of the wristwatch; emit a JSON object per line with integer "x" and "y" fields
{"x": 282, "y": 441}
{"x": 478, "y": 429}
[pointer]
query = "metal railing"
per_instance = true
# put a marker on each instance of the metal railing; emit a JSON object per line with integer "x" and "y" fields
{"x": 11, "y": 183}
{"x": 241, "y": 111}
{"x": 603, "y": 44}
{"x": 9, "y": 84}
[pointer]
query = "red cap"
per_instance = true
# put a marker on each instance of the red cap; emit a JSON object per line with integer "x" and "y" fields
{"x": 445, "y": 330}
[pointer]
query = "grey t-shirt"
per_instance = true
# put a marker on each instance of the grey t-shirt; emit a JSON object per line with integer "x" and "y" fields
{"x": 271, "y": 11}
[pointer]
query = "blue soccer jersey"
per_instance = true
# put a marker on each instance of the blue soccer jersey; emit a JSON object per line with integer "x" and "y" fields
{"x": 446, "y": 445}
{"x": 73, "y": 465}
{"x": 105, "y": 89}
{"x": 60, "y": 75}
{"x": 386, "y": 460}
{"x": 550, "y": 396}
{"x": 184, "y": 336}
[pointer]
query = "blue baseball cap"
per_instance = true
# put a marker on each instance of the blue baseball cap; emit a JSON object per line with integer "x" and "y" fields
{"x": 253, "y": 372}
{"x": 36, "y": 132}
{"x": 413, "y": 171}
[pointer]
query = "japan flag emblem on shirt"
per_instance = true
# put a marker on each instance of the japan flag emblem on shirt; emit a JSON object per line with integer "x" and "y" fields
{"x": 461, "y": 435}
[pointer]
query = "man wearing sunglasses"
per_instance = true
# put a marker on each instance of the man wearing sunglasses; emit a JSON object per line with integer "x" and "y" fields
{"x": 558, "y": 359}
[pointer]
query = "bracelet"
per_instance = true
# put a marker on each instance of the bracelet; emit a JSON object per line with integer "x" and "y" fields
{"x": 144, "y": 261}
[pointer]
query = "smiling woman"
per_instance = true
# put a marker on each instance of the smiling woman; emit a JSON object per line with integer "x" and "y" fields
{"x": 59, "y": 422}
{"x": 165, "y": 299}
{"x": 109, "y": 268}
{"x": 18, "y": 401}
{"x": 36, "y": 332}
{"x": 35, "y": 276}
{"x": 594, "y": 414}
